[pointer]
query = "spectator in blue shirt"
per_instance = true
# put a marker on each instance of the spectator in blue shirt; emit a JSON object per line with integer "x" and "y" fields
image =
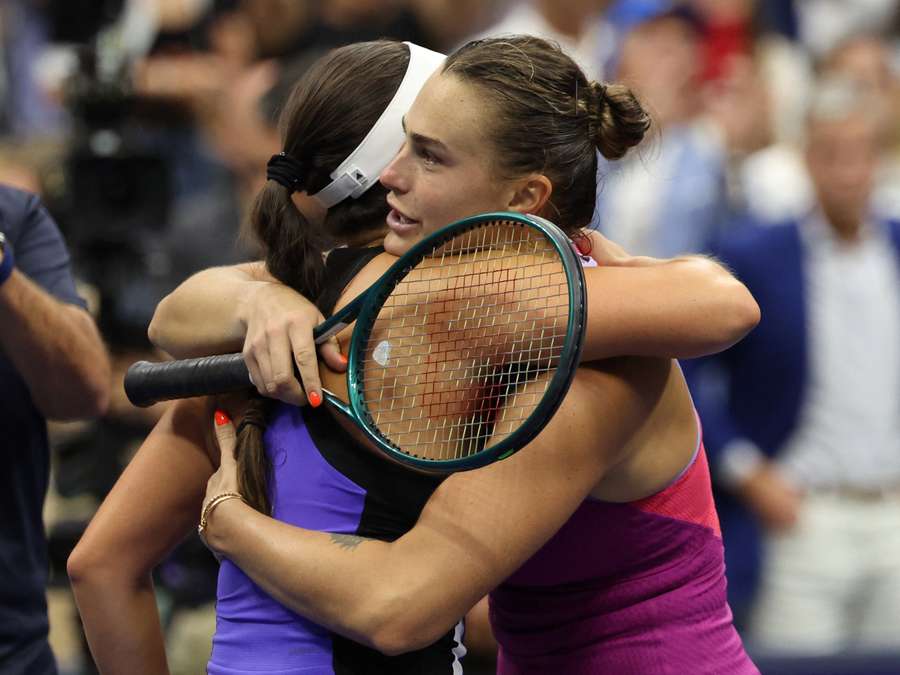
{"x": 52, "y": 365}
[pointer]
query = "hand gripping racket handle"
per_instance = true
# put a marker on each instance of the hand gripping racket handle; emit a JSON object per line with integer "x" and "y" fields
{"x": 148, "y": 383}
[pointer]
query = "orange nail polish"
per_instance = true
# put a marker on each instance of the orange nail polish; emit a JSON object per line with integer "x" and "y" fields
{"x": 343, "y": 359}
{"x": 221, "y": 418}
{"x": 314, "y": 399}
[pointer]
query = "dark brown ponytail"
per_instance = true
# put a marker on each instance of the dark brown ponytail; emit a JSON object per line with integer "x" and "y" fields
{"x": 253, "y": 465}
{"x": 328, "y": 113}
{"x": 293, "y": 246}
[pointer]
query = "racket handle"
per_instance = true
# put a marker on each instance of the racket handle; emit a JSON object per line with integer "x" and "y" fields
{"x": 148, "y": 383}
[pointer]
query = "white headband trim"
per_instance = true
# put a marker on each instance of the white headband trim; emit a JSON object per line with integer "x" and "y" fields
{"x": 362, "y": 168}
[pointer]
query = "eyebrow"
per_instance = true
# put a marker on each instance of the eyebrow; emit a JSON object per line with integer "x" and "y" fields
{"x": 419, "y": 139}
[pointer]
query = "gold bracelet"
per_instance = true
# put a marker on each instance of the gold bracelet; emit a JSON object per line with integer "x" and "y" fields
{"x": 213, "y": 503}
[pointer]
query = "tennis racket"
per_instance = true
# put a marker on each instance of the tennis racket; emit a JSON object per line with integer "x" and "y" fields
{"x": 461, "y": 353}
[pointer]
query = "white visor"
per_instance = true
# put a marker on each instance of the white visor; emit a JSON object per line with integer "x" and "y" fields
{"x": 362, "y": 168}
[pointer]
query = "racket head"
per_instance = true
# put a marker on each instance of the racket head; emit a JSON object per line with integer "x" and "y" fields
{"x": 446, "y": 370}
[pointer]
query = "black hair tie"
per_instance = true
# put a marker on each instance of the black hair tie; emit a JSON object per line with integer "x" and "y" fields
{"x": 254, "y": 416}
{"x": 286, "y": 171}
{"x": 248, "y": 423}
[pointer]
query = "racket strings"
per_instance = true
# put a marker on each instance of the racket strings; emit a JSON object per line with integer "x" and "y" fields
{"x": 463, "y": 349}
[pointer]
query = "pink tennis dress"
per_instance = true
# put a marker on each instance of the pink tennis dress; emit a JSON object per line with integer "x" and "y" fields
{"x": 625, "y": 589}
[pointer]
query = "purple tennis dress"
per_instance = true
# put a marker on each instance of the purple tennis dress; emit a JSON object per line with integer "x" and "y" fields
{"x": 322, "y": 479}
{"x": 625, "y": 589}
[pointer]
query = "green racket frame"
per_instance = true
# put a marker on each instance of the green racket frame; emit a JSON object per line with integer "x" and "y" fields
{"x": 366, "y": 309}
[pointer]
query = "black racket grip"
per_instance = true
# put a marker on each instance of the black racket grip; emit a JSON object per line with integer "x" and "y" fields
{"x": 148, "y": 383}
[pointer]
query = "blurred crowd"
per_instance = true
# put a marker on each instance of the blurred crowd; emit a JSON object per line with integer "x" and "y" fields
{"x": 145, "y": 126}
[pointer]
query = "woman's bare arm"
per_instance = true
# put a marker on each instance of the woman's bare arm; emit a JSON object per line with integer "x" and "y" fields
{"x": 678, "y": 308}
{"x": 152, "y": 507}
{"x": 476, "y": 529}
{"x": 242, "y": 308}
{"x": 207, "y": 313}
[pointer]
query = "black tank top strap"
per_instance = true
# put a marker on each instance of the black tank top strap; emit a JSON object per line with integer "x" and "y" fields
{"x": 341, "y": 266}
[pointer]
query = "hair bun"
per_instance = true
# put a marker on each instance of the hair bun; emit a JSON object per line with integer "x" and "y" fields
{"x": 596, "y": 97}
{"x": 618, "y": 119}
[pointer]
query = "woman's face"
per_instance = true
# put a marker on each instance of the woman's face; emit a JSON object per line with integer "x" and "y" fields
{"x": 444, "y": 170}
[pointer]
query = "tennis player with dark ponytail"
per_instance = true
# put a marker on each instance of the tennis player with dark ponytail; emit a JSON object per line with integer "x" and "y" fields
{"x": 350, "y": 548}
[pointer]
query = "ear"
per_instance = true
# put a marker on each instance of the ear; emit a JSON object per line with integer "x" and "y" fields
{"x": 531, "y": 194}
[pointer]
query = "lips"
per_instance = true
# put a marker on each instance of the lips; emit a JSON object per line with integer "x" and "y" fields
{"x": 401, "y": 224}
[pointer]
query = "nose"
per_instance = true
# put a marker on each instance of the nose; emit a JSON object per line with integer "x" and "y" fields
{"x": 395, "y": 176}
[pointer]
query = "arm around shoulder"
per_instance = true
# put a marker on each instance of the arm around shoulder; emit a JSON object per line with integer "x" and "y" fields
{"x": 675, "y": 308}
{"x": 206, "y": 313}
{"x": 477, "y": 528}
{"x": 244, "y": 309}
{"x": 728, "y": 309}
